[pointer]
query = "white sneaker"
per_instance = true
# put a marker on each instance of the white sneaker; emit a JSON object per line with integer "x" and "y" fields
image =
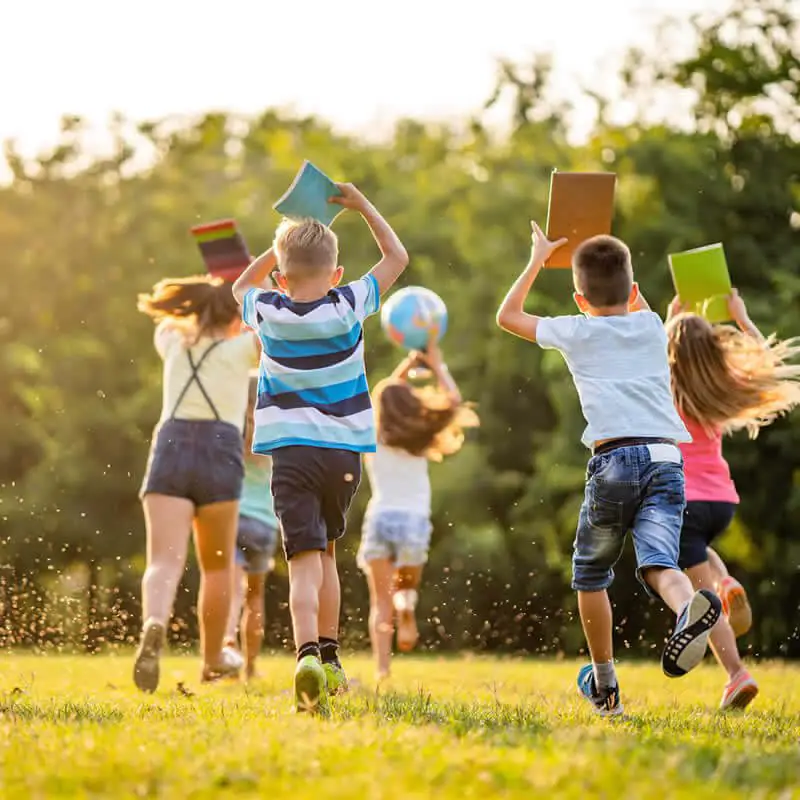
{"x": 229, "y": 666}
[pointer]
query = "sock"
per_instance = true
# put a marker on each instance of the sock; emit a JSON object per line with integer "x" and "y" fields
{"x": 604, "y": 675}
{"x": 405, "y": 600}
{"x": 308, "y": 649}
{"x": 329, "y": 650}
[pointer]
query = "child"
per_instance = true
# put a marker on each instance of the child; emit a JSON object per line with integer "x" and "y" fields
{"x": 194, "y": 473}
{"x": 723, "y": 379}
{"x": 634, "y": 479}
{"x": 414, "y": 425}
{"x": 314, "y": 415}
{"x": 255, "y": 546}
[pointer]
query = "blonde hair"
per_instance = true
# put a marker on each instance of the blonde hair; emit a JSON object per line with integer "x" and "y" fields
{"x": 199, "y": 305}
{"x": 305, "y": 246}
{"x": 725, "y": 379}
{"x": 423, "y": 422}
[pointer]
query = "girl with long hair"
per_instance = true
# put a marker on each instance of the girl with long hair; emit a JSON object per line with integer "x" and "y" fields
{"x": 195, "y": 468}
{"x": 414, "y": 426}
{"x": 724, "y": 379}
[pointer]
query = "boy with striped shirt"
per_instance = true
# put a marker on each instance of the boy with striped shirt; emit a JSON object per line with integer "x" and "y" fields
{"x": 313, "y": 414}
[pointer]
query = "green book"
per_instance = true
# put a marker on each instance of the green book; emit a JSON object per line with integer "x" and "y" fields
{"x": 702, "y": 281}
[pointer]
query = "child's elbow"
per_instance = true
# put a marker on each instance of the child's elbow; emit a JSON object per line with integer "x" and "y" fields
{"x": 501, "y": 318}
{"x": 402, "y": 257}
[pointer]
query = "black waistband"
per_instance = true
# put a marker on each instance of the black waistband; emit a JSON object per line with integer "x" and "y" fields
{"x": 633, "y": 441}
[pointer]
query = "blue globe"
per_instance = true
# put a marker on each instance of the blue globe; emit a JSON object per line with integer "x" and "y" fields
{"x": 411, "y": 315}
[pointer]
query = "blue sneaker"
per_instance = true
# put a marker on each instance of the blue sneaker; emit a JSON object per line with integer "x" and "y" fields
{"x": 606, "y": 702}
{"x": 687, "y": 646}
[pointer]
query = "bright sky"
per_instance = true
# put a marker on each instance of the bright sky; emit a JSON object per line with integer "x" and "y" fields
{"x": 358, "y": 63}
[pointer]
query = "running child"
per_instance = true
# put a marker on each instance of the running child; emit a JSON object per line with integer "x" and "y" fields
{"x": 616, "y": 350}
{"x": 723, "y": 379}
{"x": 194, "y": 472}
{"x": 314, "y": 415}
{"x": 256, "y": 541}
{"x": 415, "y": 426}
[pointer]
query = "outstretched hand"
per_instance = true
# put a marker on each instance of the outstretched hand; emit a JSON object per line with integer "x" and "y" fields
{"x": 676, "y": 307}
{"x": 543, "y": 248}
{"x": 350, "y": 197}
{"x": 737, "y": 308}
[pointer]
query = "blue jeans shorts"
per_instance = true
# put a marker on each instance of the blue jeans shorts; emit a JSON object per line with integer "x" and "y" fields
{"x": 403, "y": 537}
{"x": 200, "y": 460}
{"x": 255, "y": 545}
{"x": 640, "y": 489}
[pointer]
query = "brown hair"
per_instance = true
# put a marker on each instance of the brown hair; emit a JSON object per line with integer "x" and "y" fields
{"x": 305, "y": 246}
{"x": 602, "y": 271}
{"x": 423, "y": 422}
{"x": 201, "y": 304}
{"x": 725, "y": 379}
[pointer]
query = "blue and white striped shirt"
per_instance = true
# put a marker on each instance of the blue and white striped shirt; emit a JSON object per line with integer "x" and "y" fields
{"x": 312, "y": 388}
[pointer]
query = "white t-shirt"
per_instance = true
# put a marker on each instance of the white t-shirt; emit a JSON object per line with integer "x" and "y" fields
{"x": 225, "y": 375}
{"x": 621, "y": 371}
{"x": 399, "y": 481}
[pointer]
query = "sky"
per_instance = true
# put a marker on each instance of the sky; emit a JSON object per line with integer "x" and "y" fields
{"x": 358, "y": 64}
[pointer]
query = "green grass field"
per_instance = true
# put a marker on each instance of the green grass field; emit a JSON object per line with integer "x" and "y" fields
{"x": 473, "y": 727}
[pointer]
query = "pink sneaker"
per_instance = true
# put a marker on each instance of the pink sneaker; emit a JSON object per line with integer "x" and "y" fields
{"x": 739, "y": 692}
{"x": 735, "y": 605}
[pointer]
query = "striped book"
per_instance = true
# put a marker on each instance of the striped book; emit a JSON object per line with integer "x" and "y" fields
{"x": 223, "y": 248}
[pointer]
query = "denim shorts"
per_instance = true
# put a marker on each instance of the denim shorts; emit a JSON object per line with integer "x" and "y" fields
{"x": 404, "y": 537}
{"x": 200, "y": 460}
{"x": 640, "y": 489}
{"x": 255, "y": 545}
{"x": 703, "y": 521}
{"x": 312, "y": 489}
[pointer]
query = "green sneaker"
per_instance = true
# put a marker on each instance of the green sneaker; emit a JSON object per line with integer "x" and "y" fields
{"x": 337, "y": 680}
{"x": 310, "y": 686}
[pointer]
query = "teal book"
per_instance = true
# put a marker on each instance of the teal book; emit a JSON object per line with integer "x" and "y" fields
{"x": 308, "y": 196}
{"x": 702, "y": 281}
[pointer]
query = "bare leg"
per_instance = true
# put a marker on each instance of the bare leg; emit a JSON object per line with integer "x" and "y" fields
{"x": 717, "y": 566}
{"x": 215, "y": 539}
{"x": 674, "y": 588}
{"x": 407, "y": 580}
{"x": 597, "y": 621}
{"x": 723, "y": 642}
{"x": 253, "y": 621}
{"x": 239, "y": 581}
{"x": 169, "y": 523}
{"x": 329, "y": 595}
{"x": 305, "y": 583}
{"x": 380, "y": 576}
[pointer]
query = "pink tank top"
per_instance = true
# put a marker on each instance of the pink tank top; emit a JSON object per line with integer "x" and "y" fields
{"x": 708, "y": 476}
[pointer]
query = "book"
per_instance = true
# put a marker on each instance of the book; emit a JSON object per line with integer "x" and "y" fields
{"x": 702, "y": 281}
{"x": 223, "y": 248}
{"x": 308, "y": 196}
{"x": 581, "y": 205}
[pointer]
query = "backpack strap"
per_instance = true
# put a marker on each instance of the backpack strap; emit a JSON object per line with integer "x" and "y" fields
{"x": 195, "y": 378}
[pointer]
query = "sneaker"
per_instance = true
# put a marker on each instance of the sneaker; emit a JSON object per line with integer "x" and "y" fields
{"x": 735, "y": 605}
{"x": 606, "y": 702}
{"x": 336, "y": 678}
{"x": 310, "y": 686}
{"x": 229, "y": 666}
{"x": 687, "y": 646}
{"x": 145, "y": 667}
{"x": 739, "y": 692}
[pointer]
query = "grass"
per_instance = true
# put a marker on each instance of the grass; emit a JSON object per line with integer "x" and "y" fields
{"x": 461, "y": 728}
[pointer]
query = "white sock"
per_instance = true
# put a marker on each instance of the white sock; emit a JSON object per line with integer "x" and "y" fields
{"x": 604, "y": 675}
{"x": 405, "y": 600}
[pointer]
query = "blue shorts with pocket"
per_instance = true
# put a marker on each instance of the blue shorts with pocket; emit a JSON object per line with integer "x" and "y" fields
{"x": 255, "y": 545}
{"x": 638, "y": 488}
{"x": 312, "y": 489}
{"x": 403, "y": 537}
{"x": 200, "y": 460}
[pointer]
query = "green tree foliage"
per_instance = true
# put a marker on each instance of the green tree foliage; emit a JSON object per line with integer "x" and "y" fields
{"x": 80, "y": 381}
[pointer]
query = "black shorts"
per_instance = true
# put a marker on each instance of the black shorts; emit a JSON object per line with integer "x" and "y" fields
{"x": 312, "y": 488}
{"x": 200, "y": 460}
{"x": 703, "y": 521}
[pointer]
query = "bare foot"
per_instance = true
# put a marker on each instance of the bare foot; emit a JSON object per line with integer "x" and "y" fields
{"x": 407, "y": 633}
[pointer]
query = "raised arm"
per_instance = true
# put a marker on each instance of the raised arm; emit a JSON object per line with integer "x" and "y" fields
{"x": 639, "y": 303}
{"x": 256, "y": 276}
{"x": 400, "y": 372}
{"x": 511, "y": 316}
{"x": 394, "y": 256}
{"x": 738, "y": 312}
